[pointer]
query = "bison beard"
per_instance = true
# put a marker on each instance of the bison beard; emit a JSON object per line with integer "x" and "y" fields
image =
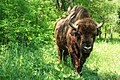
{"x": 75, "y": 39}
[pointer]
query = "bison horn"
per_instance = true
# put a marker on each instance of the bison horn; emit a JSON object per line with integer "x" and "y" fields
{"x": 70, "y": 18}
{"x": 69, "y": 10}
{"x": 73, "y": 25}
{"x": 100, "y": 24}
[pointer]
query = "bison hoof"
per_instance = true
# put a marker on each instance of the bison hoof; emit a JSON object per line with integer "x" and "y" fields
{"x": 79, "y": 73}
{"x": 59, "y": 62}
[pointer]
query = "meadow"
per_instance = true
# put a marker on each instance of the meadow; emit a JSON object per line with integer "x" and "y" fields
{"x": 40, "y": 62}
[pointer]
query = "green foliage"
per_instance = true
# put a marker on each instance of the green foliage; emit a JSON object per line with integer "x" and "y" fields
{"x": 27, "y": 46}
{"x": 26, "y": 20}
{"x": 23, "y": 21}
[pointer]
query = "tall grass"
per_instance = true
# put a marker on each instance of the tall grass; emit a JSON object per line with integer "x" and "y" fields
{"x": 21, "y": 62}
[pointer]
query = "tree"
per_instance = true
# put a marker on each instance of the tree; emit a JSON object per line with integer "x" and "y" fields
{"x": 63, "y": 4}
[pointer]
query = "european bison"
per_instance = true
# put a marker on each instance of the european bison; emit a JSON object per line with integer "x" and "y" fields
{"x": 75, "y": 36}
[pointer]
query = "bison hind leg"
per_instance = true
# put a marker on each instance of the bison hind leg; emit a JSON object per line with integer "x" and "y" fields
{"x": 72, "y": 60}
{"x": 59, "y": 54}
{"x": 65, "y": 56}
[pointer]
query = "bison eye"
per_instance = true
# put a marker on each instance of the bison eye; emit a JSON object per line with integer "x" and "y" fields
{"x": 98, "y": 32}
{"x": 76, "y": 33}
{"x": 73, "y": 33}
{"x": 79, "y": 36}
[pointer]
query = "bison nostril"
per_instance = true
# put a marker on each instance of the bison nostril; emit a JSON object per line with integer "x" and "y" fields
{"x": 87, "y": 48}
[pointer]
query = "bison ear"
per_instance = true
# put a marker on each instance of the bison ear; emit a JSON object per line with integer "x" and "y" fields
{"x": 98, "y": 32}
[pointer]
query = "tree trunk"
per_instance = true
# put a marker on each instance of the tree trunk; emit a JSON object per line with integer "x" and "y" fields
{"x": 105, "y": 33}
{"x": 57, "y": 5}
{"x": 111, "y": 32}
{"x": 70, "y": 3}
{"x": 63, "y": 5}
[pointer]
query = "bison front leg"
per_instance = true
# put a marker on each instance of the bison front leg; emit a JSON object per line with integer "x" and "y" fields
{"x": 82, "y": 61}
{"x": 77, "y": 64}
{"x": 59, "y": 54}
{"x": 72, "y": 60}
{"x": 79, "y": 69}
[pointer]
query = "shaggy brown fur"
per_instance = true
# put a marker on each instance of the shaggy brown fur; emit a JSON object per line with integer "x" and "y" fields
{"x": 80, "y": 13}
{"x": 75, "y": 40}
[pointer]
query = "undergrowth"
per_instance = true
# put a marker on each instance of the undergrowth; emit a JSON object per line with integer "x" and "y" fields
{"x": 21, "y": 62}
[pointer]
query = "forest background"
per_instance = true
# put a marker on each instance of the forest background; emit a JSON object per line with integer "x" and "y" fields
{"x": 27, "y": 44}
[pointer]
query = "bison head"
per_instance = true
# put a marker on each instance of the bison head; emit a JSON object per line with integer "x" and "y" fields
{"x": 87, "y": 30}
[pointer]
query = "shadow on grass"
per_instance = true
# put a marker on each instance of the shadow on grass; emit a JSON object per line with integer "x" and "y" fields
{"x": 89, "y": 74}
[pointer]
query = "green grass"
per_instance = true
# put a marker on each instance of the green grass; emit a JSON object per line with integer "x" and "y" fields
{"x": 40, "y": 62}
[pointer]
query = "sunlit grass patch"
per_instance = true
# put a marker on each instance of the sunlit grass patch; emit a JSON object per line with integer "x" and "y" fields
{"x": 105, "y": 60}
